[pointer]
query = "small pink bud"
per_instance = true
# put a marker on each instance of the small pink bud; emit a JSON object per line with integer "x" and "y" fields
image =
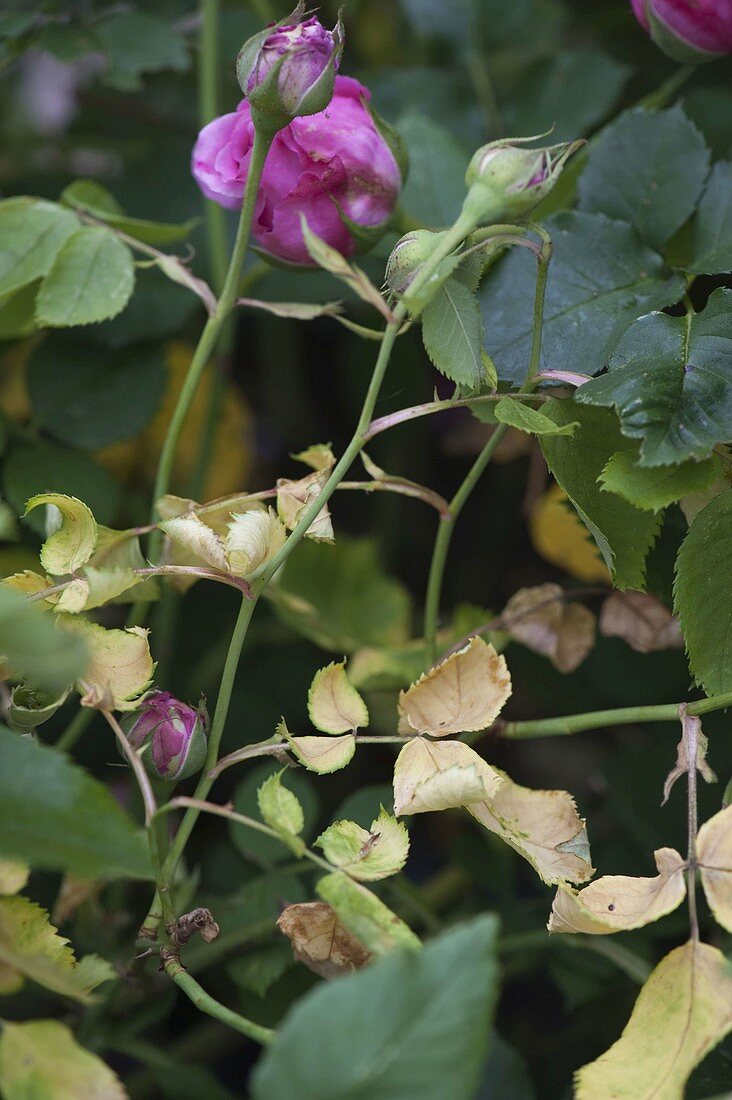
{"x": 169, "y": 735}
{"x": 506, "y": 180}
{"x": 688, "y": 30}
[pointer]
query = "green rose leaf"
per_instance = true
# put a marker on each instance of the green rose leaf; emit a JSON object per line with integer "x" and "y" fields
{"x": 32, "y": 232}
{"x": 601, "y": 278}
{"x": 452, "y": 331}
{"x": 42, "y": 1059}
{"x": 35, "y": 648}
{"x": 655, "y": 487}
{"x": 647, "y": 168}
{"x": 91, "y": 280}
{"x": 711, "y": 228}
{"x": 671, "y": 381}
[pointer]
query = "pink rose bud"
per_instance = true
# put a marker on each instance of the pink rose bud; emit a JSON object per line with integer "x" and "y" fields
{"x": 506, "y": 181}
{"x": 336, "y": 167}
{"x": 289, "y": 70}
{"x": 169, "y": 735}
{"x": 688, "y": 30}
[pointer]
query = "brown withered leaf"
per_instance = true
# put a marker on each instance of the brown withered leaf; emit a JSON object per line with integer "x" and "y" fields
{"x": 542, "y": 620}
{"x": 693, "y": 745}
{"x": 641, "y": 620}
{"x": 320, "y": 941}
{"x": 617, "y": 903}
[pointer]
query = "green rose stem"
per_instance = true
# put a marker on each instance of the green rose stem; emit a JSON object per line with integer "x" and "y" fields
{"x": 447, "y": 526}
{"x": 260, "y": 578}
{"x": 622, "y": 716}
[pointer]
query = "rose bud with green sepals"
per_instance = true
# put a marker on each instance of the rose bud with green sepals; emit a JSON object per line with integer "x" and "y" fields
{"x": 337, "y": 168}
{"x": 288, "y": 70}
{"x": 170, "y": 736}
{"x": 408, "y": 256}
{"x": 688, "y": 30}
{"x": 506, "y": 181}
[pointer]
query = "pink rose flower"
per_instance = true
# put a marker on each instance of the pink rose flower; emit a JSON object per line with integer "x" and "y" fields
{"x": 171, "y": 735}
{"x": 307, "y": 49}
{"x": 704, "y": 25}
{"x": 318, "y": 165}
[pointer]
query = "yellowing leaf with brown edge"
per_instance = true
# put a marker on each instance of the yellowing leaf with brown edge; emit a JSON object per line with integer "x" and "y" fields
{"x": 42, "y": 1059}
{"x": 319, "y": 456}
{"x": 320, "y": 941}
{"x": 543, "y": 826}
{"x": 366, "y": 854}
{"x": 684, "y": 1010}
{"x": 641, "y": 620}
{"x": 334, "y": 705}
{"x": 365, "y": 916}
{"x": 559, "y": 535}
{"x": 714, "y": 856}
{"x": 440, "y": 775}
{"x": 542, "y": 620}
{"x": 295, "y": 495}
{"x": 120, "y": 666}
{"x": 323, "y": 754}
{"x": 31, "y": 946}
{"x": 74, "y": 539}
{"x": 464, "y": 693}
{"x": 13, "y": 876}
{"x": 617, "y": 903}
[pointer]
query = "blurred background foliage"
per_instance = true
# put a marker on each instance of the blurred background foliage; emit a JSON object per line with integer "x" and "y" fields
{"x": 108, "y": 91}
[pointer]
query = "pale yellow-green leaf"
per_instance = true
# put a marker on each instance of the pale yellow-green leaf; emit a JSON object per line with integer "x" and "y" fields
{"x": 323, "y": 754}
{"x": 617, "y": 903}
{"x": 13, "y": 876}
{"x": 120, "y": 666}
{"x": 95, "y": 588}
{"x": 684, "y": 1010}
{"x": 252, "y": 539}
{"x": 319, "y": 456}
{"x": 295, "y": 495}
{"x": 30, "y": 583}
{"x": 30, "y": 707}
{"x": 281, "y": 810}
{"x": 41, "y": 1060}
{"x": 195, "y": 537}
{"x": 30, "y": 945}
{"x": 466, "y": 692}
{"x": 366, "y": 854}
{"x": 73, "y": 540}
{"x": 714, "y": 856}
{"x": 439, "y": 775}
{"x": 320, "y": 940}
{"x": 334, "y": 705}
{"x": 543, "y": 826}
{"x": 365, "y": 916}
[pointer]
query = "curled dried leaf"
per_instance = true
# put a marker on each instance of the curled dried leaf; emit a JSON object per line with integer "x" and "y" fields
{"x": 293, "y": 496}
{"x": 714, "y": 858}
{"x": 542, "y": 620}
{"x": 617, "y": 903}
{"x": 465, "y": 692}
{"x": 119, "y": 668}
{"x": 320, "y": 941}
{"x": 253, "y": 538}
{"x": 641, "y": 620}
{"x": 439, "y": 775}
{"x": 693, "y": 745}
{"x": 365, "y": 916}
{"x": 334, "y": 705}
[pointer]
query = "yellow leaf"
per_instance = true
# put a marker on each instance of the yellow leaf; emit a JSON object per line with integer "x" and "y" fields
{"x": 439, "y": 775}
{"x": 31, "y": 946}
{"x": 542, "y": 620}
{"x": 714, "y": 856}
{"x": 295, "y": 495}
{"x": 641, "y": 620}
{"x": 196, "y": 538}
{"x": 120, "y": 666}
{"x": 466, "y": 692}
{"x": 683, "y": 1011}
{"x": 543, "y": 826}
{"x": 320, "y": 941}
{"x": 323, "y": 754}
{"x": 42, "y": 1059}
{"x": 562, "y": 539}
{"x": 319, "y": 456}
{"x": 617, "y": 903}
{"x": 13, "y": 876}
{"x": 365, "y": 916}
{"x": 365, "y": 854}
{"x": 74, "y": 539}
{"x": 253, "y": 538}
{"x": 29, "y": 583}
{"x": 95, "y": 588}
{"x": 334, "y": 705}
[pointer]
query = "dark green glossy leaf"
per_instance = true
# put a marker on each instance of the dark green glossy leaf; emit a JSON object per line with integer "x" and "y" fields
{"x": 671, "y": 382}
{"x": 623, "y": 534}
{"x": 703, "y": 594}
{"x": 712, "y": 226}
{"x": 601, "y": 278}
{"x": 75, "y": 826}
{"x": 435, "y": 187}
{"x": 655, "y": 487}
{"x": 428, "y": 1038}
{"x": 648, "y": 168}
{"x": 86, "y": 396}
